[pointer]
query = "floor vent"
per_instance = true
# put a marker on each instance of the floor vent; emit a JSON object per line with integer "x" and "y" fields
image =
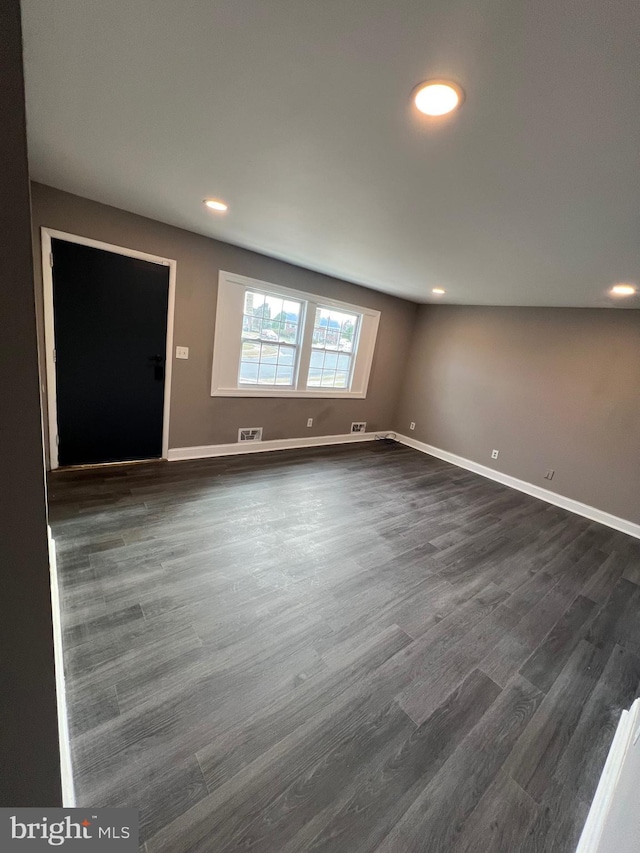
{"x": 250, "y": 434}
{"x": 360, "y": 426}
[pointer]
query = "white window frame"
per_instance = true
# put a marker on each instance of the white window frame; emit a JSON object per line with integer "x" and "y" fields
{"x": 227, "y": 343}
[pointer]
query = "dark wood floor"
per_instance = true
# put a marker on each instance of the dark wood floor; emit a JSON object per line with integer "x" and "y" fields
{"x": 345, "y": 649}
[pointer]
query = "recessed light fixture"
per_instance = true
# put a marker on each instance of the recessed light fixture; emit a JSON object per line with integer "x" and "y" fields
{"x": 438, "y": 97}
{"x": 438, "y": 291}
{"x": 623, "y": 290}
{"x": 216, "y": 204}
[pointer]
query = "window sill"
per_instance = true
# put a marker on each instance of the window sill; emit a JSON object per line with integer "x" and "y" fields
{"x": 273, "y": 392}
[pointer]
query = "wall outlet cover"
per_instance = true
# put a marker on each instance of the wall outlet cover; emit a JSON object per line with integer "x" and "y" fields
{"x": 359, "y": 426}
{"x": 182, "y": 352}
{"x": 309, "y": 422}
{"x": 412, "y": 425}
{"x": 495, "y": 454}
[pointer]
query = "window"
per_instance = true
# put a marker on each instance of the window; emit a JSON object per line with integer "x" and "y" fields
{"x": 272, "y": 341}
{"x": 332, "y": 348}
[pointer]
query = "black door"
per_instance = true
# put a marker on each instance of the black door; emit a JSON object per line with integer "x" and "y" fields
{"x": 110, "y": 316}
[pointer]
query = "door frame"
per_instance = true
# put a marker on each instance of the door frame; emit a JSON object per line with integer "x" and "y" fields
{"x": 47, "y": 234}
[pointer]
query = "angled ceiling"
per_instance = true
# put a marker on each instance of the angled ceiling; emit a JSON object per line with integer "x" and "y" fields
{"x": 298, "y": 114}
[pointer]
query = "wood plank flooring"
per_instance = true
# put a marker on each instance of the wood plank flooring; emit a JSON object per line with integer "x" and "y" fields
{"x": 356, "y": 649}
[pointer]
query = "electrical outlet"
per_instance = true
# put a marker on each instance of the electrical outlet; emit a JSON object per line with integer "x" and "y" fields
{"x": 412, "y": 425}
{"x": 495, "y": 454}
{"x": 359, "y": 426}
{"x": 549, "y": 474}
{"x": 309, "y": 422}
{"x": 182, "y": 352}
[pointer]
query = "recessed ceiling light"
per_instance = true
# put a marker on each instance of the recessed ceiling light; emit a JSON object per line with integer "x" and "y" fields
{"x": 216, "y": 204}
{"x": 623, "y": 290}
{"x": 438, "y": 290}
{"x": 438, "y": 97}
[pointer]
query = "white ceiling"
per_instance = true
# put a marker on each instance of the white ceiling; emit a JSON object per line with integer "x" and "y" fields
{"x": 297, "y": 113}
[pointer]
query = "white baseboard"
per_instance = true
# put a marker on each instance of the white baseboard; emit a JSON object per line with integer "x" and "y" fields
{"x": 542, "y": 494}
{"x": 66, "y": 775}
{"x": 208, "y": 450}
{"x": 598, "y": 835}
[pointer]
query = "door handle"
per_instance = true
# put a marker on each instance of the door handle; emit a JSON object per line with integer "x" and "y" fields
{"x": 158, "y": 366}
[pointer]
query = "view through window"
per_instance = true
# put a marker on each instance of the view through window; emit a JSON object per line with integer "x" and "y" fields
{"x": 274, "y": 341}
{"x": 332, "y": 348}
{"x": 270, "y": 339}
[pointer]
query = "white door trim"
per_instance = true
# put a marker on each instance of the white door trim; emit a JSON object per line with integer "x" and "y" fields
{"x": 47, "y": 234}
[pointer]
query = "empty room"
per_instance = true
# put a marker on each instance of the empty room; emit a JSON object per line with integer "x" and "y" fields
{"x": 321, "y": 476}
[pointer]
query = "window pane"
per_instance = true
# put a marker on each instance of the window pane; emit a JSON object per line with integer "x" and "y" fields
{"x": 287, "y": 355}
{"x": 267, "y": 333}
{"x": 289, "y": 320}
{"x": 291, "y": 310}
{"x": 267, "y": 364}
{"x": 319, "y": 337}
{"x": 268, "y": 354}
{"x": 317, "y": 358}
{"x": 329, "y": 378}
{"x": 274, "y": 307}
{"x": 251, "y": 326}
{"x": 334, "y": 329}
{"x": 315, "y": 375}
{"x": 250, "y": 351}
{"x": 267, "y": 374}
{"x": 284, "y": 375}
{"x": 271, "y": 317}
{"x": 330, "y": 360}
{"x": 249, "y": 372}
{"x": 289, "y": 332}
{"x": 252, "y": 301}
{"x": 334, "y": 333}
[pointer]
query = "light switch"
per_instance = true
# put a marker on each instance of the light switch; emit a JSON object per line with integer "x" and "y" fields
{"x": 182, "y": 352}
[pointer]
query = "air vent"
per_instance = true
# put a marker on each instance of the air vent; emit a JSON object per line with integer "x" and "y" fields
{"x": 250, "y": 434}
{"x": 359, "y": 427}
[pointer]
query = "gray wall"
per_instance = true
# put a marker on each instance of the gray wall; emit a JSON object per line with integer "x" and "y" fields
{"x": 549, "y": 387}
{"x": 196, "y": 417}
{"x": 29, "y": 757}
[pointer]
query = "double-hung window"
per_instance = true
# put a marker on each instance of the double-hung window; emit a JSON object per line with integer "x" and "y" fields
{"x": 272, "y": 341}
{"x": 335, "y": 332}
